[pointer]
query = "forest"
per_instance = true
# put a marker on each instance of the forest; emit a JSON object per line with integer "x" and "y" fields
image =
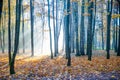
{"x": 59, "y": 39}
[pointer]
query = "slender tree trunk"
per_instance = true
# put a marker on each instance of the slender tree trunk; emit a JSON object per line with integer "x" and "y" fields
{"x": 65, "y": 28}
{"x": 32, "y": 25}
{"x": 0, "y": 40}
{"x": 67, "y": 34}
{"x": 3, "y": 32}
{"x": 50, "y": 34}
{"x": 72, "y": 27}
{"x": 75, "y": 19}
{"x": 109, "y": 10}
{"x": 118, "y": 52}
{"x": 23, "y": 37}
{"x": 102, "y": 28}
{"x": 89, "y": 33}
{"x": 56, "y": 30}
{"x": 12, "y": 37}
{"x": 94, "y": 20}
{"x": 102, "y": 39}
{"x": 116, "y": 36}
{"x": 9, "y": 31}
{"x": 57, "y": 1}
{"x": 17, "y": 30}
{"x": 1, "y": 5}
{"x": 113, "y": 36}
{"x": 82, "y": 31}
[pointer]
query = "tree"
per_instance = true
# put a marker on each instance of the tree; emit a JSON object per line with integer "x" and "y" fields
{"x": 23, "y": 36}
{"x": 75, "y": 21}
{"x": 3, "y": 31}
{"x": 32, "y": 25}
{"x": 9, "y": 32}
{"x": 116, "y": 35}
{"x": 109, "y": 11}
{"x": 118, "y": 53}
{"x": 89, "y": 30}
{"x": 65, "y": 28}
{"x": 23, "y": 29}
{"x": 17, "y": 30}
{"x": 72, "y": 27}
{"x": 82, "y": 31}
{"x": 67, "y": 34}
{"x": 94, "y": 36}
{"x": 102, "y": 26}
{"x": 1, "y": 5}
{"x": 50, "y": 34}
{"x": 0, "y": 39}
{"x": 56, "y": 30}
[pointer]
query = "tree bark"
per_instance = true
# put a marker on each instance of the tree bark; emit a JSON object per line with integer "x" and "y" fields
{"x": 9, "y": 32}
{"x": 118, "y": 52}
{"x": 50, "y": 34}
{"x": 23, "y": 37}
{"x": 32, "y": 25}
{"x": 82, "y": 31}
{"x": 67, "y": 34}
{"x": 89, "y": 31}
{"x": 109, "y": 10}
{"x": 17, "y": 31}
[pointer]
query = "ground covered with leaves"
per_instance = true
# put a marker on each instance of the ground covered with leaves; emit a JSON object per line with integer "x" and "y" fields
{"x": 44, "y": 68}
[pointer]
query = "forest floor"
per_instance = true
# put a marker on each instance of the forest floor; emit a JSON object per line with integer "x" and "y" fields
{"x": 44, "y": 68}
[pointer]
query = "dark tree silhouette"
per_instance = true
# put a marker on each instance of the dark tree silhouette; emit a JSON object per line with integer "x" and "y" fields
{"x": 89, "y": 30}
{"x": 118, "y": 52}
{"x": 82, "y": 31}
{"x": 109, "y": 10}
{"x": 67, "y": 34}
{"x": 1, "y": 5}
{"x": 9, "y": 32}
{"x": 17, "y": 30}
{"x": 32, "y": 25}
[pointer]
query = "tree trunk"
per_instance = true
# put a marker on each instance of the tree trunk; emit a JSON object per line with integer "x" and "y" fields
{"x": 1, "y": 5}
{"x": 108, "y": 28}
{"x": 75, "y": 19}
{"x": 116, "y": 36}
{"x": 56, "y": 31}
{"x": 102, "y": 28}
{"x": 0, "y": 40}
{"x": 65, "y": 28}
{"x": 32, "y": 25}
{"x": 82, "y": 31}
{"x": 67, "y": 34}
{"x": 50, "y": 34}
{"x": 23, "y": 38}
{"x": 17, "y": 30}
{"x": 113, "y": 36}
{"x": 89, "y": 32}
{"x": 9, "y": 32}
{"x": 72, "y": 31}
{"x": 3, "y": 46}
{"x": 118, "y": 53}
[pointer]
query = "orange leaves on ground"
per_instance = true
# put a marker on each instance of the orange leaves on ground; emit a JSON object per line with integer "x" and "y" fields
{"x": 44, "y": 66}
